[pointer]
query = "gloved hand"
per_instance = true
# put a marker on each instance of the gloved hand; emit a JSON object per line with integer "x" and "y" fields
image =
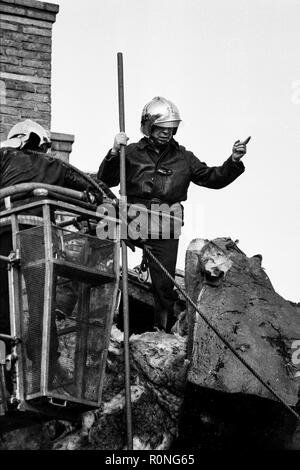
{"x": 93, "y": 197}
{"x": 120, "y": 139}
{"x": 88, "y": 196}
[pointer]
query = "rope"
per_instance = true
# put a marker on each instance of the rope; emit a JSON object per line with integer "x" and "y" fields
{"x": 227, "y": 344}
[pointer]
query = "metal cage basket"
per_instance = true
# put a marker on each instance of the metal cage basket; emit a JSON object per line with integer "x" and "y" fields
{"x": 67, "y": 297}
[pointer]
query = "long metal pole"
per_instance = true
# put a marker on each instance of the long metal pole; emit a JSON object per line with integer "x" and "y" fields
{"x": 124, "y": 256}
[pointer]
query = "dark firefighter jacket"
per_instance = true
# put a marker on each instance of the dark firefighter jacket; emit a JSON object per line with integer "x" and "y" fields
{"x": 27, "y": 167}
{"x": 168, "y": 176}
{"x": 17, "y": 166}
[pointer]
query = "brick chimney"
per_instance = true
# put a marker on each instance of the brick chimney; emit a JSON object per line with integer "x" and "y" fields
{"x": 25, "y": 67}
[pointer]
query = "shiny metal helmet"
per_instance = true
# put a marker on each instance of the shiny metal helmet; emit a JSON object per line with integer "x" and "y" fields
{"x": 21, "y": 133}
{"x": 159, "y": 112}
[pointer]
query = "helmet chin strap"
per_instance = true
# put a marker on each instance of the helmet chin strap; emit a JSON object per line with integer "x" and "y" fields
{"x": 158, "y": 144}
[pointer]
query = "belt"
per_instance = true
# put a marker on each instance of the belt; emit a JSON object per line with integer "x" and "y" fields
{"x": 148, "y": 202}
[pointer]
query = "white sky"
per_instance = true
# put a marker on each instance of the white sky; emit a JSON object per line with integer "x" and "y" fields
{"x": 233, "y": 70}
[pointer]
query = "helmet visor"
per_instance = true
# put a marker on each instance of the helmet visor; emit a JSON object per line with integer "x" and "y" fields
{"x": 167, "y": 123}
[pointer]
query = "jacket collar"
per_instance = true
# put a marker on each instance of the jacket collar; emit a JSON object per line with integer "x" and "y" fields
{"x": 145, "y": 142}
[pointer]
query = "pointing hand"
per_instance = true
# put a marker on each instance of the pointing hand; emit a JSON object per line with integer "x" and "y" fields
{"x": 239, "y": 149}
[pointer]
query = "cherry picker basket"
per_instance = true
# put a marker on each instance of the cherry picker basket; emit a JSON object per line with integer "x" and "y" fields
{"x": 63, "y": 295}
{"x": 74, "y": 288}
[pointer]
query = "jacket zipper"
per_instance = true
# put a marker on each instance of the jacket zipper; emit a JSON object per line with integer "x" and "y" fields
{"x": 157, "y": 165}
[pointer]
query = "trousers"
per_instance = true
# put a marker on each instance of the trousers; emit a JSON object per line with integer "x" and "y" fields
{"x": 165, "y": 251}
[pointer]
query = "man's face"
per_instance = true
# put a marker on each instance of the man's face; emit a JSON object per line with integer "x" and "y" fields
{"x": 161, "y": 135}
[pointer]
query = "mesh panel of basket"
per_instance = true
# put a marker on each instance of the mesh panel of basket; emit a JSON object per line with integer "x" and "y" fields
{"x": 33, "y": 271}
{"x": 84, "y": 250}
{"x": 81, "y": 317}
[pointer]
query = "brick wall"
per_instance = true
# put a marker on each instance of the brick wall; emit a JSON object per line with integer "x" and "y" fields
{"x": 62, "y": 145}
{"x": 25, "y": 62}
{"x": 25, "y": 67}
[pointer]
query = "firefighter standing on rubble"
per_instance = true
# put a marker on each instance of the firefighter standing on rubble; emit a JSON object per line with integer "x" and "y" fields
{"x": 159, "y": 170}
